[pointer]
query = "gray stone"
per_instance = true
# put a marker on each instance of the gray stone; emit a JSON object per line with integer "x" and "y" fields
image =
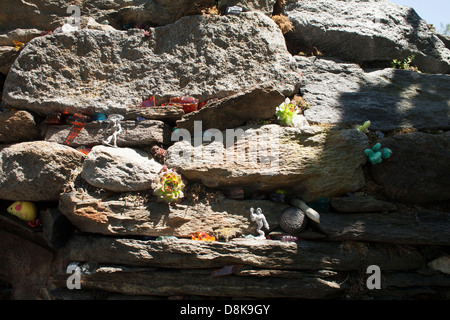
{"x": 119, "y": 169}
{"x": 344, "y": 94}
{"x": 92, "y": 71}
{"x": 235, "y": 110}
{"x": 366, "y": 31}
{"x": 441, "y": 264}
{"x": 361, "y": 204}
{"x": 37, "y": 170}
{"x": 48, "y": 14}
{"x": 292, "y": 220}
{"x": 418, "y": 169}
{"x": 134, "y": 133}
{"x": 311, "y": 164}
{"x": 18, "y": 126}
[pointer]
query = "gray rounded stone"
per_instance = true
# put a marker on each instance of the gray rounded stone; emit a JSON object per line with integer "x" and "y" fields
{"x": 292, "y": 220}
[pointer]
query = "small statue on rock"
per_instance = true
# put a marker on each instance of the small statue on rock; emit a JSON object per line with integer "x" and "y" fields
{"x": 260, "y": 221}
{"x": 116, "y": 129}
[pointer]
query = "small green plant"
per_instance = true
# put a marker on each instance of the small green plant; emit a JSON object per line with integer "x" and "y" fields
{"x": 404, "y": 64}
{"x": 285, "y": 112}
{"x": 365, "y": 127}
{"x": 168, "y": 186}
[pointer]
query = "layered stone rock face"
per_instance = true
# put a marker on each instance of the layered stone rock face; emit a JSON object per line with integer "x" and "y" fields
{"x": 330, "y": 212}
{"x": 108, "y": 72}
{"x": 366, "y": 31}
{"x": 313, "y": 163}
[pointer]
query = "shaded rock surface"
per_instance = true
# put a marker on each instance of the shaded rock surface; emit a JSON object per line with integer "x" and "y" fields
{"x": 93, "y": 73}
{"x": 119, "y": 169}
{"x": 345, "y": 94}
{"x": 134, "y": 133}
{"x": 324, "y": 163}
{"x": 361, "y": 204}
{"x": 235, "y": 110}
{"x": 425, "y": 177}
{"x": 37, "y": 171}
{"x": 366, "y": 31}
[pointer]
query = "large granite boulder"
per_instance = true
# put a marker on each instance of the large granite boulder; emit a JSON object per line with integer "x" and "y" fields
{"x": 205, "y": 56}
{"x": 366, "y": 31}
{"x": 37, "y": 170}
{"x": 345, "y": 94}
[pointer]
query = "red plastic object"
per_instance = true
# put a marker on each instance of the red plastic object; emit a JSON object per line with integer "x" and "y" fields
{"x": 150, "y": 102}
{"x": 202, "y": 236}
{"x": 189, "y": 104}
{"x": 77, "y": 126}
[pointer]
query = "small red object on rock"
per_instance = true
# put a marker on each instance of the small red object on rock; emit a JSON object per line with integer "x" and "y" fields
{"x": 202, "y": 236}
{"x": 149, "y": 102}
{"x": 189, "y": 104}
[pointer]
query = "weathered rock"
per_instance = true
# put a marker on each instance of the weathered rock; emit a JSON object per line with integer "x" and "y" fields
{"x": 419, "y": 169}
{"x": 269, "y": 254}
{"x": 109, "y": 71}
{"x": 119, "y": 169}
{"x": 366, "y": 31}
{"x": 344, "y": 94}
{"x": 265, "y": 6}
{"x": 25, "y": 265}
{"x": 7, "y": 57}
{"x": 292, "y": 220}
{"x": 416, "y": 227}
{"x": 269, "y": 283}
{"x": 37, "y": 171}
{"x": 235, "y": 110}
{"x": 130, "y": 214}
{"x": 18, "y": 126}
{"x": 361, "y": 204}
{"x": 310, "y": 164}
{"x": 57, "y": 228}
{"x": 134, "y": 133}
{"x": 441, "y": 264}
{"x": 21, "y": 35}
{"x": 47, "y": 15}
{"x": 163, "y": 113}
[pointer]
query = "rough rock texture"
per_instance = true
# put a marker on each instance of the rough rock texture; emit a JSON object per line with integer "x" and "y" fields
{"x": 313, "y": 164}
{"x": 119, "y": 169}
{"x": 235, "y": 110}
{"x": 425, "y": 177}
{"x": 134, "y": 133}
{"x": 304, "y": 255}
{"x": 292, "y": 220}
{"x": 361, "y": 204}
{"x": 130, "y": 214}
{"x": 37, "y": 171}
{"x": 98, "y": 71}
{"x": 415, "y": 227}
{"x": 366, "y": 31}
{"x": 343, "y": 93}
{"x": 25, "y": 265}
{"x": 18, "y": 126}
{"x": 265, "y": 6}
{"x": 49, "y": 14}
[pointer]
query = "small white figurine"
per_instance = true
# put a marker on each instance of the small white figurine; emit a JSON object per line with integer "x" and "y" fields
{"x": 260, "y": 221}
{"x": 116, "y": 128}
